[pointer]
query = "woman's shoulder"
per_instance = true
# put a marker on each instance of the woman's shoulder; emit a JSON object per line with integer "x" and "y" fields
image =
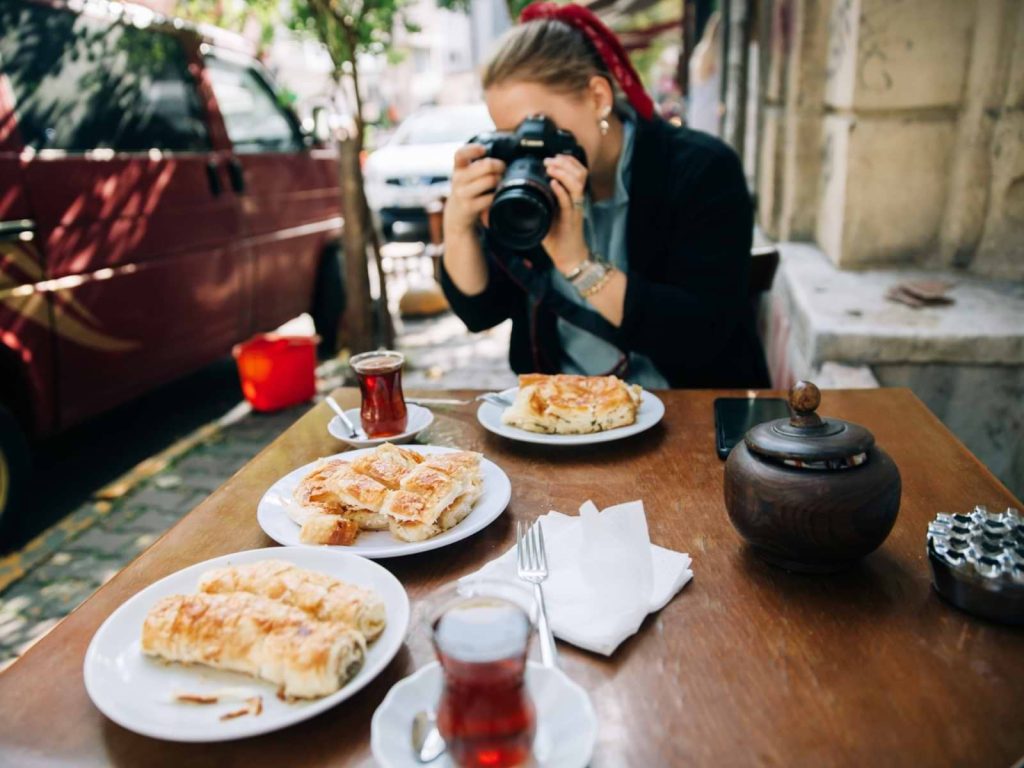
{"x": 685, "y": 145}
{"x": 681, "y": 155}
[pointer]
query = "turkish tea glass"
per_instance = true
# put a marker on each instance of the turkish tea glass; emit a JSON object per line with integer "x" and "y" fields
{"x": 481, "y": 632}
{"x": 383, "y": 412}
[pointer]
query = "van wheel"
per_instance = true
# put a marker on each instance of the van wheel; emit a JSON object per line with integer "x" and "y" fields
{"x": 14, "y": 471}
{"x": 329, "y": 299}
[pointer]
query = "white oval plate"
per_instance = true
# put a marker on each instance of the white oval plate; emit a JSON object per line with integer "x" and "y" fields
{"x": 272, "y": 512}
{"x": 566, "y": 724}
{"x": 648, "y": 414}
{"x": 135, "y": 691}
{"x": 419, "y": 419}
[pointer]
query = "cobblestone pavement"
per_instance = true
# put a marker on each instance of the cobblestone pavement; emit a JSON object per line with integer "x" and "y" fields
{"x": 56, "y": 571}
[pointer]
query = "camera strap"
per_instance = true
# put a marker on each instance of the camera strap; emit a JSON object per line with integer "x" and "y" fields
{"x": 530, "y": 272}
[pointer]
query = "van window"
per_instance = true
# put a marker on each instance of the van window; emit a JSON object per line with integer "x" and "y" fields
{"x": 81, "y": 83}
{"x": 255, "y": 122}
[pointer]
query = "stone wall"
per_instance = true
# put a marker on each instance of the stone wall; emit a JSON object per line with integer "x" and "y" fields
{"x": 964, "y": 360}
{"x": 893, "y": 131}
{"x": 891, "y": 148}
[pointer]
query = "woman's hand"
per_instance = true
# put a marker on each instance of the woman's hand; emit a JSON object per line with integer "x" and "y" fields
{"x": 473, "y": 181}
{"x": 565, "y": 242}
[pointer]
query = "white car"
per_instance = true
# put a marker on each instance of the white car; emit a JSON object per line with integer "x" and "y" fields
{"x": 413, "y": 169}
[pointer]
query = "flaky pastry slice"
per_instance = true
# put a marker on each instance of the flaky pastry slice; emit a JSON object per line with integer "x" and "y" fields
{"x": 354, "y": 489}
{"x": 361, "y": 497}
{"x": 452, "y": 515}
{"x": 334, "y": 530}
{"x": 257, "y": 636}
{"x": 387, "y": 464}
{"x": 424, "y": 495}
{"x": 459, "y": 509}
{"x": 313, "y": 496}
{"x": 464, "y": 466}
{"x": 412, "y": 530}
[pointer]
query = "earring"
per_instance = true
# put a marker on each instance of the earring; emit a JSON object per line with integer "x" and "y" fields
{"x": 603, "y": 124}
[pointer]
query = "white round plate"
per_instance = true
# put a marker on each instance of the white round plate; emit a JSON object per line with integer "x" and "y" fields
{"x": 135, "y": 691}
{"x": 566, "y": 724}
{"x": 419, "y": 419}
{"x": 272, "y": 512}
{"x": 648, "y": 414}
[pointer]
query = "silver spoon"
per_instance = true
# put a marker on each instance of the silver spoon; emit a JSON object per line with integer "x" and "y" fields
{"x": 427, "y": 742}
{"x": 352, "y": 432}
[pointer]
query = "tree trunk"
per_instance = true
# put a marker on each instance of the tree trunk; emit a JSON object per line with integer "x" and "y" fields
{"x": 385, "y": 326}
{"x": 357, "y": 330}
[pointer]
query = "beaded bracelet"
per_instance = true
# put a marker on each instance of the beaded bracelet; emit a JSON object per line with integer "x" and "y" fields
{"x": 588, "y": 292}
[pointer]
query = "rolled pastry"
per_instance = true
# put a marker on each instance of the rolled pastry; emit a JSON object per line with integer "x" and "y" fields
{"x": 321, "y": 596}
{"x": 260, "y": 637}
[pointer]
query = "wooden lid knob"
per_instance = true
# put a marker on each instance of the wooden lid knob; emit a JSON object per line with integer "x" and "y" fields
{"x": 804, "y": 399}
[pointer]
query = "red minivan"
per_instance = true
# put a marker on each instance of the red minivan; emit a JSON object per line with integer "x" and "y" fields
{"x": 157, "y": 205}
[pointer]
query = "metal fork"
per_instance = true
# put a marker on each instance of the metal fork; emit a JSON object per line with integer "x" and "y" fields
{"x": 532, "y": 566}
{"x": 494, "y": 398}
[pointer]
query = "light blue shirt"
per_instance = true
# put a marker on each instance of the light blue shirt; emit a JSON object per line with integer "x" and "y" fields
{"x": 604, "y": 228}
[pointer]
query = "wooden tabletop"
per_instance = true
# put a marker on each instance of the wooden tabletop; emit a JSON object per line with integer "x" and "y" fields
{"x": 748, "y": 665}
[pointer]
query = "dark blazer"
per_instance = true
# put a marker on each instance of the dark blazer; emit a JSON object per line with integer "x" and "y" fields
{"x": 689, "y": 232}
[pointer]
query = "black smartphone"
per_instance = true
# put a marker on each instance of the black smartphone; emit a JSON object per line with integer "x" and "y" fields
{"x": 735, "y": 415}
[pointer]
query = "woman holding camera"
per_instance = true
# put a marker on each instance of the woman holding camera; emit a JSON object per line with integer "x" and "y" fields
{"x": 644, "y": 270}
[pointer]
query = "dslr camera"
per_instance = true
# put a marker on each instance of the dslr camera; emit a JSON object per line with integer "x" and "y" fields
{"x": 524, "y": 203}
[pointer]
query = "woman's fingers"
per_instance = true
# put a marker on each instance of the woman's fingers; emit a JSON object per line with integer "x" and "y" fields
{"x": 572, "y": 183}
{"x": 484, "y": 204}
{"x": 479, "y": 185}
{"x": 481, "y": 204}
{"x": 571, "y": 167}
{"x": 473, "y": 177}
{"x": 568, "y": 171}
{"x": 481, "y": 168}
{"x": 467, "y": 154}
{"x": 565, "y": 200}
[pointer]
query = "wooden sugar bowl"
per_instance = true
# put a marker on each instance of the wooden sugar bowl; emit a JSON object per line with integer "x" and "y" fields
{"x": 811, "y": 494}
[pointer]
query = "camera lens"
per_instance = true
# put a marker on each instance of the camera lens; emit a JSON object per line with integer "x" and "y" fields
{"x": 523, "y": 205}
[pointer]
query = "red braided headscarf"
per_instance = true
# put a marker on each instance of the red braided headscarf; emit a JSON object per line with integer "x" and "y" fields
{"x": 605, "y": 43}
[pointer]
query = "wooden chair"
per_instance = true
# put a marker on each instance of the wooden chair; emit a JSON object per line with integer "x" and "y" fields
{"x": 764, "y": 263}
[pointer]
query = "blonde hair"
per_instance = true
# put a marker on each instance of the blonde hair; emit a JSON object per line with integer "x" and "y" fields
{"x": 548, "y": 52}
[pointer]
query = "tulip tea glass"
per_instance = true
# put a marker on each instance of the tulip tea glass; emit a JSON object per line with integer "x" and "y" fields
{"x": 383, "y": 411}
{"x": 481, "y": 631}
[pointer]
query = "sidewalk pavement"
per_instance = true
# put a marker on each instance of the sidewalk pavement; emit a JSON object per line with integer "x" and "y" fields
{"x": 56, "y": 571}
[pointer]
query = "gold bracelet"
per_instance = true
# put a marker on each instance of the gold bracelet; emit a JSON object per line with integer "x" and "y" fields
{"x": 586, "y": 294}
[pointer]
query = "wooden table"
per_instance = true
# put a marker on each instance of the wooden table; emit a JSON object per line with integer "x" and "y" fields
{"x": 748, "y": 665}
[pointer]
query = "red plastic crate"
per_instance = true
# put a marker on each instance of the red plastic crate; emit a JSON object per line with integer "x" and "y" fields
{"x": 277, "y": 371}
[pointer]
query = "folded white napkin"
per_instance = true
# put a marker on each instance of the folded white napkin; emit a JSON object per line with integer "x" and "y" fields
{"x": 604, "y": 575}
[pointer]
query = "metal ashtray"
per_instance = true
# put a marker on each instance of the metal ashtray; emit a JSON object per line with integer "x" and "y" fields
{"x": 977, "y": 562}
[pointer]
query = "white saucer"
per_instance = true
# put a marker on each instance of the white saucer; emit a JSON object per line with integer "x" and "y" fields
{"x": 419, "y": 419}
{"x": 566, "y": 723}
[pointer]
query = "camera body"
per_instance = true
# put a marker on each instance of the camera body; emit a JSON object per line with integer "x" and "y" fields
{"x": 524, "y": 203}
